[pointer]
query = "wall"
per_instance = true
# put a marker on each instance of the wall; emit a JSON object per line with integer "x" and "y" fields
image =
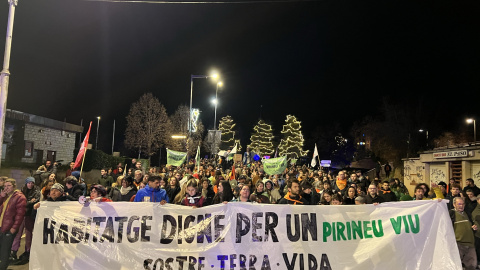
{"x": 63, "y": 142}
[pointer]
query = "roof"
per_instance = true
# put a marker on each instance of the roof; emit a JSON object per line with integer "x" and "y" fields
{"x": 42, "y": 121}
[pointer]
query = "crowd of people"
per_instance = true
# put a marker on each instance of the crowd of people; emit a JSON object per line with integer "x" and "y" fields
{"x": 208, "y": 183}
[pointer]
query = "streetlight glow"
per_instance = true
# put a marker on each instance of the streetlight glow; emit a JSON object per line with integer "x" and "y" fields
{"x": 214, "y": 101}
{"x": 469, "y": 120}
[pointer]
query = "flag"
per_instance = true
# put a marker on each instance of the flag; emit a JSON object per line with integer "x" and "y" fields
{"x": 232, "y": 175}
{"x": 275, "y": 165}
{"x": 175, "y": 158}
{"x": 232, "y": 153}
{"x": 315, "y": 156}
{"x": 83, "y": 148}
{"x": 197, "y": 158}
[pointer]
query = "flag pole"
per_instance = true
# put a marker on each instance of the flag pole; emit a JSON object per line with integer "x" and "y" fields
{"x": 83, "y": 160}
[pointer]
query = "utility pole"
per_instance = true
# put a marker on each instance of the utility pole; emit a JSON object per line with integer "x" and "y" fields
{"x": 5, "y": 74}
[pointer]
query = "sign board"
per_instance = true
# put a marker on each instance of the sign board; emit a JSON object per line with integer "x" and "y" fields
{"x": 325, "y": 163}
{"x": 451, "y": 154}
{"x": 144, "y": 235}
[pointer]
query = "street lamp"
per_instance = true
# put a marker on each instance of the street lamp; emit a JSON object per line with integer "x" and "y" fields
{"x": 469, "y": 121}
{"x": 215, "y": 101}
{"x": 426, "y": 133}
{"x": 96, "y": 139}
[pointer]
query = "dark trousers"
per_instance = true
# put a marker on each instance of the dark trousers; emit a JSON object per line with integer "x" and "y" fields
{"x": 6, "y": 241}
{"x": 477, "y": 248}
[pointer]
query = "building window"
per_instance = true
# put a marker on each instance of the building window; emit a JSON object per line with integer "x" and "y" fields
{"x": 28, "y": 151}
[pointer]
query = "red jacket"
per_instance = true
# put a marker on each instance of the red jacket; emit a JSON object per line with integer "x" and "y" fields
{"x": 15, "y": 211}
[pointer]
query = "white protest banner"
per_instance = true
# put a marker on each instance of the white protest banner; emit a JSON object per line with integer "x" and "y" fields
{"x": 400, "y": 235}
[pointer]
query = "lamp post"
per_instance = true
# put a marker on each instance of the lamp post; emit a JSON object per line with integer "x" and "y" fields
{"x": 426, "y": 133}
{"x": 469, "y": 121}
{"x": 215, "y": 102}
{"x": 96, "y": 138}
{"x": 5, "y": 73}
{"x": 215, "y": 76}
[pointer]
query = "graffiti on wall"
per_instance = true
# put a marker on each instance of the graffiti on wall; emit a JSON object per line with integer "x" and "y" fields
{"x": 437, "y": 175}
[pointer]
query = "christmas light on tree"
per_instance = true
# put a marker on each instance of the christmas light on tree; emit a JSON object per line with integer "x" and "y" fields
{"x": 261, "y": 139}
{"x": 292, "y": 142}
{"x": 226, "y": 125}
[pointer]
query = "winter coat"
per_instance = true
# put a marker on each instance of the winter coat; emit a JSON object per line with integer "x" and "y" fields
{"x": 14, "y": 211}
{"x": 114, "y": 194}
{"x": 196, "y": 200}
{"x": 74, "y": 193}
{"x": 30, "y": 194}
{"x": 129, "y": 194}
{"x": 156, "y": 195}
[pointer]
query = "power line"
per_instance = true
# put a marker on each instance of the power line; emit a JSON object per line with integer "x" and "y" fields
{"x": 202, "y": 2}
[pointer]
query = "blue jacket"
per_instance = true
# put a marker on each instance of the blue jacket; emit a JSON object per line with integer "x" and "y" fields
{"x": 156, "y": 195}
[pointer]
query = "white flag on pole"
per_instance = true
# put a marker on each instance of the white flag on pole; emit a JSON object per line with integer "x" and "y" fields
{"x": 314, "y": 158}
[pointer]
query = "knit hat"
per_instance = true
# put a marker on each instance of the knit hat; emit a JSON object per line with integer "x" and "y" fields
{"x": 29, "y": 179}
{"x": 442, "y": 184}
{"x": 58, "y": 186}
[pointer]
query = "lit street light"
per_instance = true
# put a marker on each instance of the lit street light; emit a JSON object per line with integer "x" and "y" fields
{"x": 426, "y": 133}
{"x": 469, "y": 121}
{"x": 96, "y": 139}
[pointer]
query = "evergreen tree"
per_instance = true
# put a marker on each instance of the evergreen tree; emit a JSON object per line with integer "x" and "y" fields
{"x": 291, "y": 143}
{"x": 226, "y": 125}
{"x": 261, "y": 139}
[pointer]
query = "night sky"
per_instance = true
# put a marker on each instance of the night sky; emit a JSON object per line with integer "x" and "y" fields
{"x": 326, "y": 62}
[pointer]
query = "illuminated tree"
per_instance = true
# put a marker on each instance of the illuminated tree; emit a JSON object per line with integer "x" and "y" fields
{"x": 291, "y": 143}
{"x": 261, "y": 139}
{"x": 226, "y": 125}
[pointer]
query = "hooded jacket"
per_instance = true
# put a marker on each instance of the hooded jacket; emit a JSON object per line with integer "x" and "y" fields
{"x": 14, "y": 211}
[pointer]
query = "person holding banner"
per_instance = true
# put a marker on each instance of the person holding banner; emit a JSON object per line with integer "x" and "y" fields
{"x": 152, "y": 192}
{"x": 13, "y": 207}
{"x": 98, "y": 193}
{"x": 224, "y": 194}
{"x": 191, "y": 196}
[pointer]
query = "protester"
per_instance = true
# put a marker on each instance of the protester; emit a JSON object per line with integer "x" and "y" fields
{"x": 74, "y": 190}
{"x": 173, "y": 188}
{"x": 350, "y": 196}
{"x": 45, "y": 192}
{"x": 70, "y": 169}
{"x": 327, "y": 197}
{"x": 372, "y": 196}
{"x": 337, "y": 199}
{"x": 128, "y": 189}
{"x": 105, "y": 179}
{"x": 192, "y": 196}
{"x": 244, "y": 195}
{"x": 273, "y": 189}
{"x": 386, "y": 193}
{"x": 470, "y": 185}
{"x": 152, "y": 192}
{"x": 260, "y": 195}
{"x": 464, "y": 233}
{"x": 293, "y": 195}
{"x": 13, "y": 207}
{"x": 32, "y": 195}
{"x": 98, "y": 193}
{"x": 206, "y": 190}
{"x": 224, "y": 193}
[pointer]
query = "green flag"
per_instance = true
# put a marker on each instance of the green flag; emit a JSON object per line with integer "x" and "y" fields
{"x": 275, "y": 165}
{"x": 175, "y": 158}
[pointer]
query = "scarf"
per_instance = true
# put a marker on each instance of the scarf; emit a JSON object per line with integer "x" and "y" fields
{"x": 288, "y": 197}
{"x": 191, "y": 200}
{"x": 124, "y": 191}
{"x": 341, "y": 184}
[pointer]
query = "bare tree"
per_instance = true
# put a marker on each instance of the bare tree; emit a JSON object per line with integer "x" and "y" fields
{"x": 148, "y": 125}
